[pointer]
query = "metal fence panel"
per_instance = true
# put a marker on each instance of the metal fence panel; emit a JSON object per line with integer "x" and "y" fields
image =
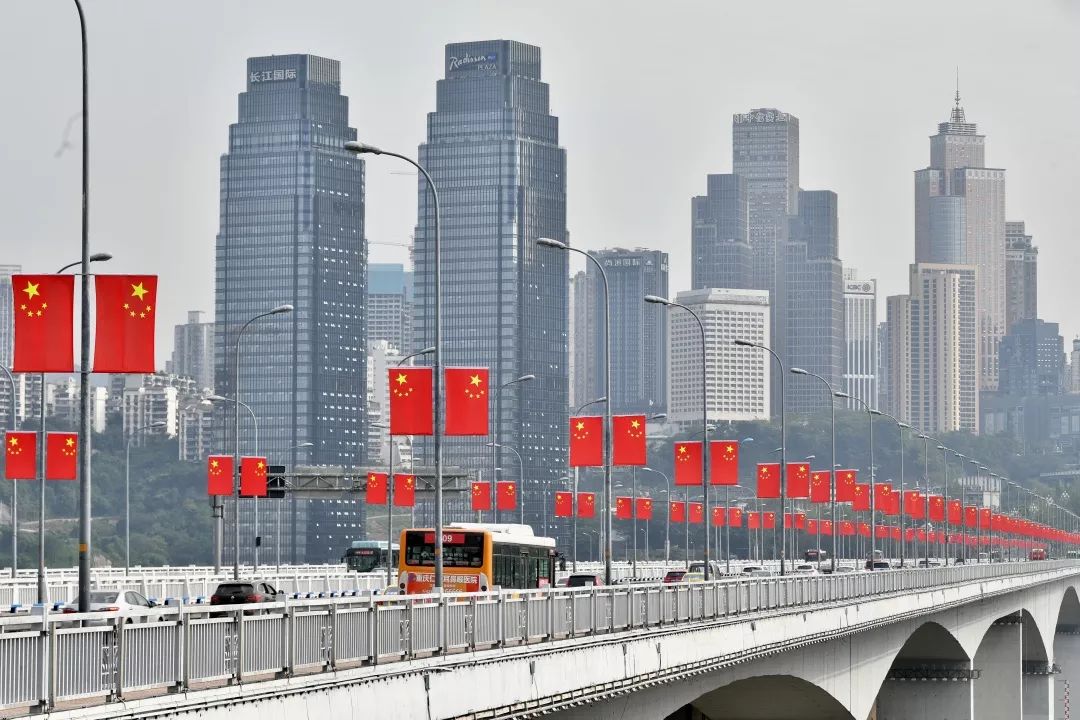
{"x": 20, "y": 668}
{"x": 87, "y": 664}
{"x": 351, "y": 637}
{"x": 212, "y": 649}
{"x": 151, "y": 655}
{"x": 263, "y": 646}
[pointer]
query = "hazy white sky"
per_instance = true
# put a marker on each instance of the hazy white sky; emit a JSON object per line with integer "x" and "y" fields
{"x": 644, "y": 92}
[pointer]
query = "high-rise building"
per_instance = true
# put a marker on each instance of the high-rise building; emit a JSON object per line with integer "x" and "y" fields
{"x": 813, "y": 293}
{"x": 720, "y": 247}
{"x": 1074, "y": 366}
{"x": 638, "y": 331}
{"x": 389, "y": 305}
{"x": 737, "y": 378}
{"x": 860, "y": 339}
{"x": 382, "y": 356}
{"x": 1021, "y": 276}
{"x": 292, "y": 231}
{"x": 884, "y": 369}
{"x": 7, "y": 339}
{"x": 1032, "y": 359}
{"x": 934, "y": 349}
{"x": 960, "y": 219}
{"x": 193, "y": 351}
{"x": 493, "y": 151}
{"x": 583, "y": 313}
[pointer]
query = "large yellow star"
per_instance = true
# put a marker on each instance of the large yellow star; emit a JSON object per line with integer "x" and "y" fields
{"x": 261, "y": 465}
{"x": 213, "y": 463}
{"x": 13, "y": 441}
{"x": 635, "y": 424}
{"x": 682, "y": 449}
{"x": 31, "y": 289}
{"x": 580, "y": 425}
{"x": 138, "y": 291}
{"x": 474, "y": 380}
{"x": 401, "y": 379}
{"x": 70, "y": 442}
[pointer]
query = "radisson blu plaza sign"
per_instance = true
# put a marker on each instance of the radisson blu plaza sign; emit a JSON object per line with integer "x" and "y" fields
{"x": 483, "y": 62}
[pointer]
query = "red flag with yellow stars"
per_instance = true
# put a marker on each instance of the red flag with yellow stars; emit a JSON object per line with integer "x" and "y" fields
{"x": 937, "y": 508}
{"x": 564, "y": 504}
{"x": 643, "y": 508}
{"x": 845, "y": 485}
{"x": 697, "y": 513}
{"x": 753, "y": 521}
{"x": 798, "y": 480}
{"x": 914, "y": 504}
{"x": 586, "y": 441}
{"x": 375, "y": 494}
{"x": 688, "y": 463}
{"x": 724, "y": 462}
{"x": 718, "y": 514}
{"x": 624, "y": 508}
{"x": 677, "y": 511}
{"x": 219, "y": 475}
{"x": 768, "y": 480}
{"x": 467, "y": 401}
{"x": 847, "y": 528}
{"x": 43, "y": 306}
{"x": 481, "y": 495}
{"x": 61, "y": 455}
{"x": 505, "y": 495}
{"x": 768, "y": 520}
{"x": 820, "y": 486}
{"x": 860, "y": 499}
{"x": 734, "y": 517}
{"x": 20, "y": 456}
{"x": 628, "y": 440}
{"x": 404, "y": 490}
{"x": 586, "y": 505}
{"x": 252, "y": 477}
{"x": 125, "y": 308}
{"x": 411, "y": 407}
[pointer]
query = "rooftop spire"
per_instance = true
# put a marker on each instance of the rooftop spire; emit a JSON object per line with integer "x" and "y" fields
{"x": 957, "y": 111}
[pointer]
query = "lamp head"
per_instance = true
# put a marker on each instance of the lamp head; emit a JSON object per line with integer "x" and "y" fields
{"x": 658, "y": 416}
{"x": 548, "y": 242}
{"x": 158, "y": 424}
{"x": 100, "y": 257}
{"x": 841, "y": 394}
{"x": 904, "y": 425}
{"x": 427, "y": 350}
{"x": 657, "y": 300}
{"x": 217, "y": 398}
{"x": 526, "y": 378}
{"x": 798, "y": 371}
{"x": 743, "y": 343}
{"x": 282, "y": 309}
{"x": 362, "y": 148}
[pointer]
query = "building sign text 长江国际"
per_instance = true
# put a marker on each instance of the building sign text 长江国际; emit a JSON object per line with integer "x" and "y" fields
{"x": 261, "y": 76}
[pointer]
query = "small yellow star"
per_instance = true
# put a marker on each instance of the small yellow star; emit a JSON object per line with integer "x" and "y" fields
{"x": 132, "y": 313}
{"x": 138, "y": 291}
{"x": 31, "y": 289}
{"x": 38, "y": 313}
{"x": 29, "y": 313}
{"x": 44, "y": 306}
{"x": 142, "y": 314}
{"x": 22, "y": 307}
{"x": 126, "y": 306}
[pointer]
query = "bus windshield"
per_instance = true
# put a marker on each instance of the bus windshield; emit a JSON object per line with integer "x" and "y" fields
{"x": 364, "y": 559}
{"x": 460, "y": 549}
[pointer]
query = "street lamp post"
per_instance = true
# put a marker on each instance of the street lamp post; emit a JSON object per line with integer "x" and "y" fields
{"x": 832, "y": 462}
{"x": 277, "y": 529}
{"x": 873, "y": 484}
{"x": 210, "y": 399}
{"x": 667, "y": 524}
{"x": 783, "y": 445}
{"x": 14, "y": 485}
{"x": 926, "y": 483}
{"x": 127, "y": 490}
{"x": 280, "y": 309}
{"x": 364, "y": 149}
{"x": 657, "y": 300}
{"x": 945, "y": 462}
{"x": 521, "y": 474}
{"x": 901, "y": 426}
{"x": 558, "y": 245}
{"x": 494, "y": 445}
{"x": 574, "y": 519}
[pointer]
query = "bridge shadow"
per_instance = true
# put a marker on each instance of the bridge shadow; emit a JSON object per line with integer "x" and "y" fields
{"x": 768, "y": 697}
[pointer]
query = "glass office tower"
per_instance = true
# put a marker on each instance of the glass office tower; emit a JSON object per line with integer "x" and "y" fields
{"x": 493, "y": 151}
{"x": 292, "y": 231}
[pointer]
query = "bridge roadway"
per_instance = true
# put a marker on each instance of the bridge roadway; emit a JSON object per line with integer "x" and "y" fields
{"x": 983, "y": 641}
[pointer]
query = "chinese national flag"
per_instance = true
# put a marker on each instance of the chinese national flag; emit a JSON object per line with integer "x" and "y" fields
{"x": 811, "y": 527}
{"x": 61, "y": 453}
{"x": 734, "y": 517}
{"x": 819, "y": 486}
{"x": 800, "y": 521}
{"x": 768, "y": 520}
{"x": 956, "y": 513}
{"x": 125, "y": 309}
{"x": 883, "y": 497}
{"x": 894, "y": 532}
{"x": 847, "y": 528}
{"x": 624, "y": 508}
{"x": 825, "y": 527}
{"x": 753, "y": 521}
{"x": 688, "y": 463}
{"x": 376, "y": 488}
{"x": 404, "y": 490}
{"x": 219, "y": 475}
{"x": 971, "y": 516}
{"x": 628, "y": 440}
{"x": 789, "y": 521}
{"x": 677, "y": 511}
{"x": 984, "y": 518}
{"x": 586, "y": 505}
{"x": 914, "y": 506}
{"x": 564, "y": 504}
{"x": 724, "y": 462}
{"x": 860, "y": 499}
{"x": 864, "y": 529}
{"x": 411, "y": 404}
{"x": 586, "y": 441}
{"x": 845, "y": 485}
{"x": 718, "y": 516}
{"x": 467, "y": 402}
{"x": 881, "y": 532}
{"x": 768, "y": 480}
{"x": 798, "y": 480}
{"x": 697, "y": 513}
{"x": 505, "y": 495}
{"x": 252, "y": 477}
{"x": 937, "y": 508}
{"x": 643, "y": 508}
{"x": 481, "y": 495}
{"x": 43, "y": 306}
{"x": 20, "y": 456}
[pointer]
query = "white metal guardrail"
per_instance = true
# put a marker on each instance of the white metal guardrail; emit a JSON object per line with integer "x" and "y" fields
{"x": 53, "y": 658}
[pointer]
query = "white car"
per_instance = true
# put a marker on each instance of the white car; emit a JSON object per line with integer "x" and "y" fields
{"x": 751, "y": 569}
{"x": 845, "y": 569}
{"x": 805, "y": 569}
{"x": 124, "y": 603}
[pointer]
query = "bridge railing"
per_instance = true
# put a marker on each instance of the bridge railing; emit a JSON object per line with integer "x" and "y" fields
{"x": 51, "y": 658}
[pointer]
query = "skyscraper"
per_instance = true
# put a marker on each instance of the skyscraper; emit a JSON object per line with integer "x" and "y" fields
{"x": 1032, "y": 359}
{"x": 193, "y": 351}
{"x": 1021, "y": 276}
{"x": 934, "y": 349}
{"x": 389, "y": 305}
{"x": 737, "y": 378}
{"x": 638, "y": 335}
{"x": 583, "y": 313}
{"x": 813, "y": 296}
{"x": 493, "y": 151}
{"x": 292, "y": 231}
{"x": 720, "y": 247}
{"x": 860, "y": 339}
{"x": 960, "y": 219}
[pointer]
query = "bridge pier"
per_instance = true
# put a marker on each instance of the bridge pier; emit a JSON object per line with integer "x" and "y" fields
{"x": 927, "y": 693}
{"x": 1038, "y": 693}
{"x": 1067, "y": 658}
{"x": 999, "y": 689}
